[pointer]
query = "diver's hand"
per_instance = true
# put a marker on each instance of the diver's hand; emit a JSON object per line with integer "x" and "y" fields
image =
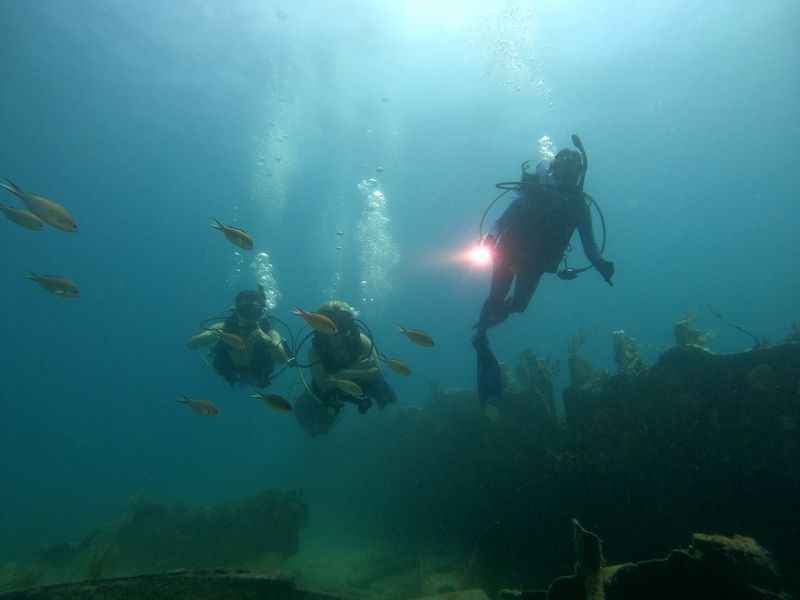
{"x": 258, "y": 336}
{"x": 606, "y": 269}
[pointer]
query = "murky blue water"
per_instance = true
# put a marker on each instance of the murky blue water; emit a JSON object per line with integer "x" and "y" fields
{"x": 148, "y": 120}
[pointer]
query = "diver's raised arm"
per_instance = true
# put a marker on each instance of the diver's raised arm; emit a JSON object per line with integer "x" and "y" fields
{"x": 588, "y": 242}
{"x": 590, "y": 249}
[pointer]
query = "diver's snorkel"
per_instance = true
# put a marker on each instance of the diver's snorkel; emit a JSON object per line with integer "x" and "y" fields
{"x": 576, "y": 141}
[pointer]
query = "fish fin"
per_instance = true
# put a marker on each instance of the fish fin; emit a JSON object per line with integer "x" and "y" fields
{"x": 11, "y": 187}
{"x": 217, "y": 225}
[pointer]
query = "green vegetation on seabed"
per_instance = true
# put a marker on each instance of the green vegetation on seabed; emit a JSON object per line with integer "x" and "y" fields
{"x": 704, "y": 440}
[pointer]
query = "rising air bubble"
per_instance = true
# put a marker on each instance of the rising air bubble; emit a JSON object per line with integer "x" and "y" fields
{"x": 265, "y": 276}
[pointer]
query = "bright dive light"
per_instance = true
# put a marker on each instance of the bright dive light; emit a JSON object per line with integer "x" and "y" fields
{"x": 480, "y": 255}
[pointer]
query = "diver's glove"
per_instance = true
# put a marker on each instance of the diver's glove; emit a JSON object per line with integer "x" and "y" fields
{"x": 606, "y": 269}
{"x": 363, "y": 403}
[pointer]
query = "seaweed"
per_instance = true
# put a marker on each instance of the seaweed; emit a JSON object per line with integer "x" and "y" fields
{"x": 686, "y": 334}
{"x": 535, "y": 377}
{"x": 626, "y": 354}
{"x": 580, "y": 370}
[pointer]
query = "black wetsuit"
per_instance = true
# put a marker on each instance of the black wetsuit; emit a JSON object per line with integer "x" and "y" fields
{"x": 531, "y": 238}
{"x": 258, "y": 373}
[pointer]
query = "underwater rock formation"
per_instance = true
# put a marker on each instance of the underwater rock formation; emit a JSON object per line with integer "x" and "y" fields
{"x": 698, "y": 441}
{"x": 587, "y": 583}
{"x": 155, "y": 537}
{"x": 713, "y": 567}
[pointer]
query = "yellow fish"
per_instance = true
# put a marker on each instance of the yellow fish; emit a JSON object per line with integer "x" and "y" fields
{"x": 317, "y": 321}
{"x": 350, "y": 388}
{"x": 200, "y": 407}
{"x": 231, "y": 340}
{"x": 238, "y": 237}
{"x": 398, "y": 366}
{"x": 418, "y": 337}
{"x": 274, "y": 401}
{"x": 60, "y": 286}
{"x": 48, "y": 211}
{"x": 23, "y": 217}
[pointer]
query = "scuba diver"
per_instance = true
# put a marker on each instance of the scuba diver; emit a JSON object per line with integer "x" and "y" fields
{"x": 344, "y": 369}
{"x": 247, "y": 348}
{"x": 530, "y": 239}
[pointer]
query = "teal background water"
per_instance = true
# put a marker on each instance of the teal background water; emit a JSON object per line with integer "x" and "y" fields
{"x": 146, "y": 120}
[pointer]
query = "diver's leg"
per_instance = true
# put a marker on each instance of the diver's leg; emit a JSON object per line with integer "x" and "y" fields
{"x": 494, "y": 310}
{"x": 524, "y": 287}
{"x": 380, "y": 390}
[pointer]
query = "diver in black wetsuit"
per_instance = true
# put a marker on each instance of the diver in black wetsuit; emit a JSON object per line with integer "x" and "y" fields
{"x": 530, "y": 239}
{"x": 263, "y": 349}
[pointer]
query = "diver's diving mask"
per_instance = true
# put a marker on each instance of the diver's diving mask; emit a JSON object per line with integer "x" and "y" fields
{"x": 250, "y": 306}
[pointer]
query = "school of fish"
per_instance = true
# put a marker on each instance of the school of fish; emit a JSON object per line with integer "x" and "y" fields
{"x": 39, "y": 211}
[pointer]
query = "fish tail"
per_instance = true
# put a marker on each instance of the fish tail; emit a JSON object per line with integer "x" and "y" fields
{"x": 217, "y": 225}
{"x": 184, "y": 399}
{"x": 32, "y": 276}
{"x": 11, "y": 187}
{"x": 298, "y": 311}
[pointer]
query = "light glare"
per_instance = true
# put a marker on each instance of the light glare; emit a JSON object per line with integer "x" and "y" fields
{"x": 480, "y": 256}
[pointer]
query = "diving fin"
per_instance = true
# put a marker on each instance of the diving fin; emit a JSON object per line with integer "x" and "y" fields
{"x": 490, "y": 381}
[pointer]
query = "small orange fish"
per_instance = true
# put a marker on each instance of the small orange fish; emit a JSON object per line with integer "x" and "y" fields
{"x": 200, "y": 407}
{"x": 238, "y": 237}
{"x": 274, "y": 401}
{"x": 418, "y": 337}
{"x": 60, "y": 286}
{"x": 351, "y": 388}
{"x": 398, "y": 366}
{"x": 231, "y": 340}
{"x": 22, "y": 217}
{"x": 317, "y": 321}
{"x": 48, "y": 211}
